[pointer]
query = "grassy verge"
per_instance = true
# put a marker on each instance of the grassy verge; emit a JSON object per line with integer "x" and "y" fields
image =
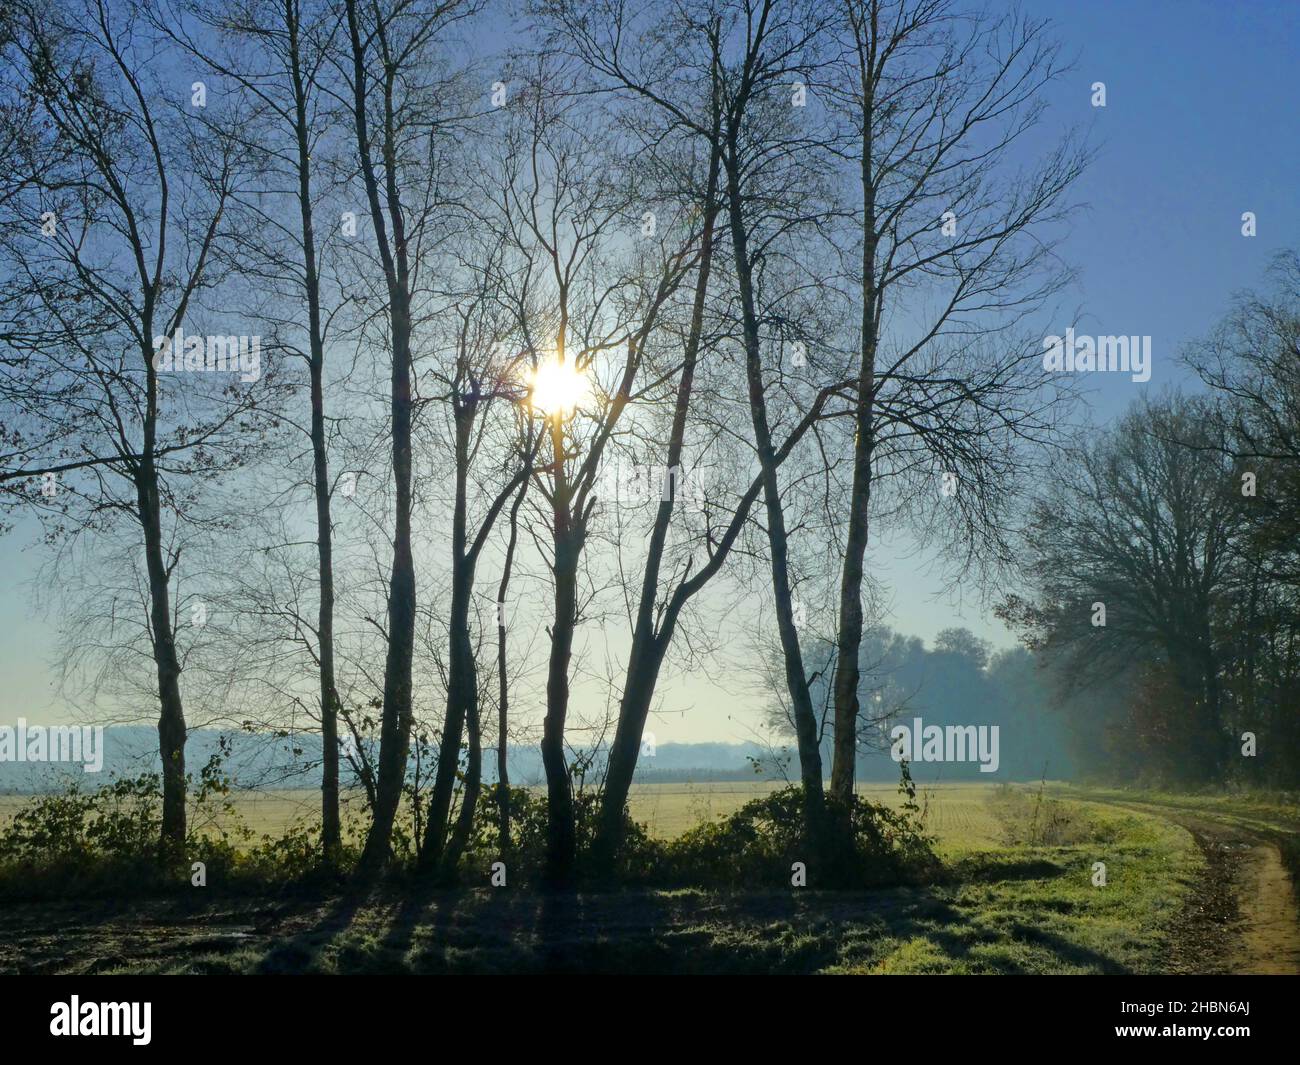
{"x": 1273, "y": 815}
{"x": 1033, "y": 907}
{"x": 1021, "y": 903}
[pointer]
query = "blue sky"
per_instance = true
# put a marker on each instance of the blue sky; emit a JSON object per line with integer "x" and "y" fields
{"x": 1200, "y": 125}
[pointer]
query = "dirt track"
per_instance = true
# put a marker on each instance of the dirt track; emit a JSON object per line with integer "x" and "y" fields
{"x": 1244, "y": 918}
{"x": 1271, "y": 936}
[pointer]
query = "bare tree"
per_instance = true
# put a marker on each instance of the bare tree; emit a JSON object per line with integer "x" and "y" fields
{"x": 762, "y": 149}
{"x": 1134, "y": 550}
{"x": 277, "y": 52}
{"x": 127, "y": 207}
{"x": 503, "y": 675}
{"x": 683, "y": 78}
{"x": 587, "y": 311}
{"x": 1251, "y": 362}
{"x": 933, "y": 100}
{"x": 402, "y": 103}
{"x": 480, "y": 383}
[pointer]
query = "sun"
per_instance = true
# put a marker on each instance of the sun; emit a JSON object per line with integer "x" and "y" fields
{"x": 557, "y": 388}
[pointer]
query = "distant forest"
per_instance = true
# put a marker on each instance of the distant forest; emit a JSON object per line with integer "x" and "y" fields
{"x": 959, "y": 680}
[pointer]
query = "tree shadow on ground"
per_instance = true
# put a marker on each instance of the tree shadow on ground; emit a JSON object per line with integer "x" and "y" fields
{"x": 303, "y": 952}
{"x": 441, "y": 930}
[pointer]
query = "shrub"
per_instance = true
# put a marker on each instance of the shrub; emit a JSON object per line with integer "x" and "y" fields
{"x": 78, "y": 841}
{"x": 867, "y": 845}
{"x": 638, "y": 861}
{"x": 106, "y": 841}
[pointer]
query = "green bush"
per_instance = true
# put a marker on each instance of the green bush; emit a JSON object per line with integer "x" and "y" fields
{"x": 867, "y": 845}
{"x": 871, "y": 846}
{"x": 76, "y": 841}
{"x": 86, "y": 843}
{"x": 638, "y": 861}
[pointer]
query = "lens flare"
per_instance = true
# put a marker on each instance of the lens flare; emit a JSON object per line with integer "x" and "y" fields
{"x": 557, "y": 388}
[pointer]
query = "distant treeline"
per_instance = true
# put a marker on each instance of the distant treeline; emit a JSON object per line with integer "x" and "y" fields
{"x": 957, "y": 681}
{"x": 1164, "y": 566}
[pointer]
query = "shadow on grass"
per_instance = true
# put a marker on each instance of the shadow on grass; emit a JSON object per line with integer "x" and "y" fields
{"x": 440, "y": 930}
{"x": 303, "y": 952}
{"x": 994, "y": 869}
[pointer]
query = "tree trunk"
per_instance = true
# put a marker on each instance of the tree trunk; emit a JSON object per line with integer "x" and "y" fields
{"x": 561, "y": 835}
{"x": 805, "y": 719}
{"x": 331, "y": 826}
{"x": 171, "y": 720}
{"x": 395, "y": 724}
{"x": 461, "y": 693}
{"x": 648, "y": 648}
{"x": 503, "y": 680}
{"x": 849, "y": 636}
{"x": 331, "y": 829}
{"x": 469, "y": 792}
{"x": 638, "y": 693}
{"x": 395, "y": 727}
{"x": 462, "y": 681}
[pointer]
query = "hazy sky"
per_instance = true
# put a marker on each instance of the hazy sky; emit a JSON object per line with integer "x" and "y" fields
{"x": 1200, "y": 125}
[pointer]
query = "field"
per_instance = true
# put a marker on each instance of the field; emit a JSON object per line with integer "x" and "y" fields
{"x": 958, "y": 815}
{"x": 1189, "y": 885}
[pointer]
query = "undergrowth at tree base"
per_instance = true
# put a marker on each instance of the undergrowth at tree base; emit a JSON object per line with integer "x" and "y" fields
{"x": 79, "y": 843}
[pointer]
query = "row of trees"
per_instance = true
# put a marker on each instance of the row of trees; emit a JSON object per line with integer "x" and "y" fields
{"x": 1164, "y": 562}
{"x": 787, "y": 247}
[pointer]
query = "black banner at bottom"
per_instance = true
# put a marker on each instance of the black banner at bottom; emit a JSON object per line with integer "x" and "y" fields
{"x": 342, "y": 1014}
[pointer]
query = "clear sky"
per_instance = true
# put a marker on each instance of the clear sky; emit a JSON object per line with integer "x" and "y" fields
{"x": 1200, "y": 126}
{"x": 1201, "y": 123}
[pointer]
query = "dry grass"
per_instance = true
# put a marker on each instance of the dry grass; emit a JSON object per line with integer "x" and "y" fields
{"x": 958, "y": 815}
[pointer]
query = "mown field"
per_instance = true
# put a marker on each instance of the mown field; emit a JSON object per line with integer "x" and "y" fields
{"x": 1019, "y": 894}
{"x": 958, "y": 815}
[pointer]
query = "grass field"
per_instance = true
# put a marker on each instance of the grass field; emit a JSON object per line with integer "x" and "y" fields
{"x": 1019, "y": 896}
{"x": 958, "y": 815}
